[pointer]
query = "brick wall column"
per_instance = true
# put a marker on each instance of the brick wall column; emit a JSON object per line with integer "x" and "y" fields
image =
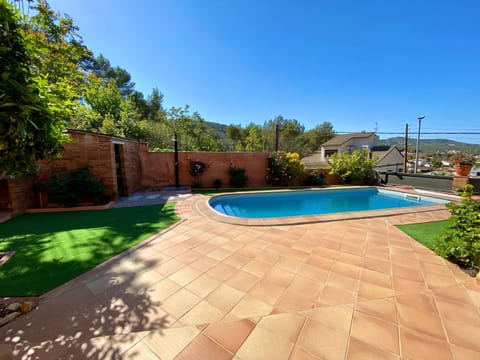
{"x": 459, "y": 181}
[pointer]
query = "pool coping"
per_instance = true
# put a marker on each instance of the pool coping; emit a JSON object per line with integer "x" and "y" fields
{"x": 204, "y": 208}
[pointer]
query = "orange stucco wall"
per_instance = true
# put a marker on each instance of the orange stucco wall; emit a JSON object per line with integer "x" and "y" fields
{"x": 158, "y": 168}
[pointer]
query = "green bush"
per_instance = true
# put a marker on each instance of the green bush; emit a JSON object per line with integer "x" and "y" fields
{"x": 238, "y": 178}
{"x": 69, "y": 188}
{"x": 284, "y": 169}
{"x": 354, "y": 167}
{"x": 314, "y": 178}
{"x": 461, "y": 241}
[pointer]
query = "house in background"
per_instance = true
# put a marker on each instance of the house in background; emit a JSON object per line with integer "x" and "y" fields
{"x": 339, "y": 144}
{"x": 390, "y": 159}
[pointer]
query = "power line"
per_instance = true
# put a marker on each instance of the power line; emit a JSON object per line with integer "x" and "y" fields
{"x": 423, "y": 133}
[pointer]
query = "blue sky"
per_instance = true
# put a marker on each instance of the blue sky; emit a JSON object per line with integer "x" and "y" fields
{"x": 360, "y": 65}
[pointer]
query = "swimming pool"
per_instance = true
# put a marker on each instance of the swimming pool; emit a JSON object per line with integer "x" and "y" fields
{"x": 280, "y": 204}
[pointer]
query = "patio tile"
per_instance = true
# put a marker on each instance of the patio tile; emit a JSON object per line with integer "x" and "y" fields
{"x": 322, "y": 341}
{"x": 420, "y": 301}
{"x": 346, "y": 269}
{"x": 242, "y": 281}
{"x": 140, "y": 352}
{"x": 185, "y": 275}
{"x": 256, "y": 268}
{"x": 320, "y": 261}
{"x": 401, "y": 285}
{"x": 371, "y": 291}
{"x": 285, "y": 325}
{"x": 376, "y": 332}
{"x": 220, "y": 254}
{"x": 202, "y": 313}
{"x": 162, "y": 289}
{"x": 300, "y": 354}
{"x": 110, "y": 346}
{"x": 169, "y": 343}
{"x": 236, "y": 260}
{"x": 202, "y": 348}
{"x": 267, "y": 292}
{"x": 225, "y": 297}
{"x": 406, "y": 273}
{"x": 331, "y": 295}
{"x": 250, "y": 307}
{"x": 169, "y": 267}
{"x": 188, "y": 257}
{"x": 263, "y": 344}
{"x": 312, "y": 272}
{"x": 222, "y": 271}
{"x": 416, "y": 345}
{"x": 463, "y": 333}
{"x": 204, "y": 263}
{"x": 464, "y": 353}
{"x": 230, "y": 335}
{"x": 203, "y": 285}
{"x": 292, "y": 301}
{"x": 383, "y": 267}
{"x": 455, "y": 293}
{"x": 359, "y": 350}
{"x": 374, "y": 277}
{"x": 453, "y": 310}
{"x": 305, "y": 288}
{"x": 338, "y": 318}
{"x": 180, "y": 302}
{"x": 418, "y": 320}
{"x": 435, "y": 281}
{"x": 383, "y": 309}
{"x": 279, "y": 276}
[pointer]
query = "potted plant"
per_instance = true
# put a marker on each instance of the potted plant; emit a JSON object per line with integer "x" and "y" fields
{"x": 463, "y": 163}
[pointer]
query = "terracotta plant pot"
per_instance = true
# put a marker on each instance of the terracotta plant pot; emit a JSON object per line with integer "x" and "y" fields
{"x": 463, "y": 170}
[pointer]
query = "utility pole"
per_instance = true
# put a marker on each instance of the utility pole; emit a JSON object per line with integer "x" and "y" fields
{"x": 405, "y": 159}
{"x": 420, "y": 118}
{"x": 175, "y": 149}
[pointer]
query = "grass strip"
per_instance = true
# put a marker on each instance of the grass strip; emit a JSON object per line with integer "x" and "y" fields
{"x": 53, "y": 248}
{"x": 425, "y": 233}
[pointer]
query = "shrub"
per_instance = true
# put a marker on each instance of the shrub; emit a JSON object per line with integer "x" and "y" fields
{"x": 356, "y": 166}
{"x": 68, "y": 188}
{"x": 284, "y": 169}
{"x": 217, "y": 183}
{"x": 461, "y": 241}
{"x": 238, "y": 178}
{"x": 314, "y": 178}
{"x": 197, "y": 168}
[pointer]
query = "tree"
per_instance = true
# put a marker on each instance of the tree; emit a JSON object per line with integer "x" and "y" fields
{"x": 254, "y": 140}
{"x": 58, "y": 60}
{"x": 101, "y": 68}
{"x": 352, "y": 167}
{"x": 29, "y": 128}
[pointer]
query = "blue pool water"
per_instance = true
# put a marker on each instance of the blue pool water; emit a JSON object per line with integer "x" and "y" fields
{"x": 314, "y": 202}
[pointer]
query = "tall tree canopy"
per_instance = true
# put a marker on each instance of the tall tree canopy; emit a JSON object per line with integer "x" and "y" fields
{"x": 51, "y": 81}
{"x": 29, "y": 127}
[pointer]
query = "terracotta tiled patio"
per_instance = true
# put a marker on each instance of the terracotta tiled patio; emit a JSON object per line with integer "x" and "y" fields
{"x": 354, "y": 289}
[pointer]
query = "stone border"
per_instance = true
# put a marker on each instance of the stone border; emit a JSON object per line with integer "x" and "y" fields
{"x": 66, "y": 209}
{"x": 205, "y": 209}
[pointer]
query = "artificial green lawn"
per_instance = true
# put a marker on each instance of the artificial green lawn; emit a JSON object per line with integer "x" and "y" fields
{"x": 425, "y": 233}
{"x": 52, "y": 248}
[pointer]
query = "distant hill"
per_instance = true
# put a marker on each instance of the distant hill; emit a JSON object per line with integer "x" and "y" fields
{"x": 426, "y": 145}
{"x": 432, "y": 145}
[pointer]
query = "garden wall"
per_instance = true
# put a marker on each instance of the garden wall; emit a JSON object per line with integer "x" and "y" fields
{"x": 158, "y": 168}
{"x": 419, "y": 181}
{"x": 103, "y": 154}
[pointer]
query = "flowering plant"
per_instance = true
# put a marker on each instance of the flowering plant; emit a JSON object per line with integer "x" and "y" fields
{"x": 197, "y": 168}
